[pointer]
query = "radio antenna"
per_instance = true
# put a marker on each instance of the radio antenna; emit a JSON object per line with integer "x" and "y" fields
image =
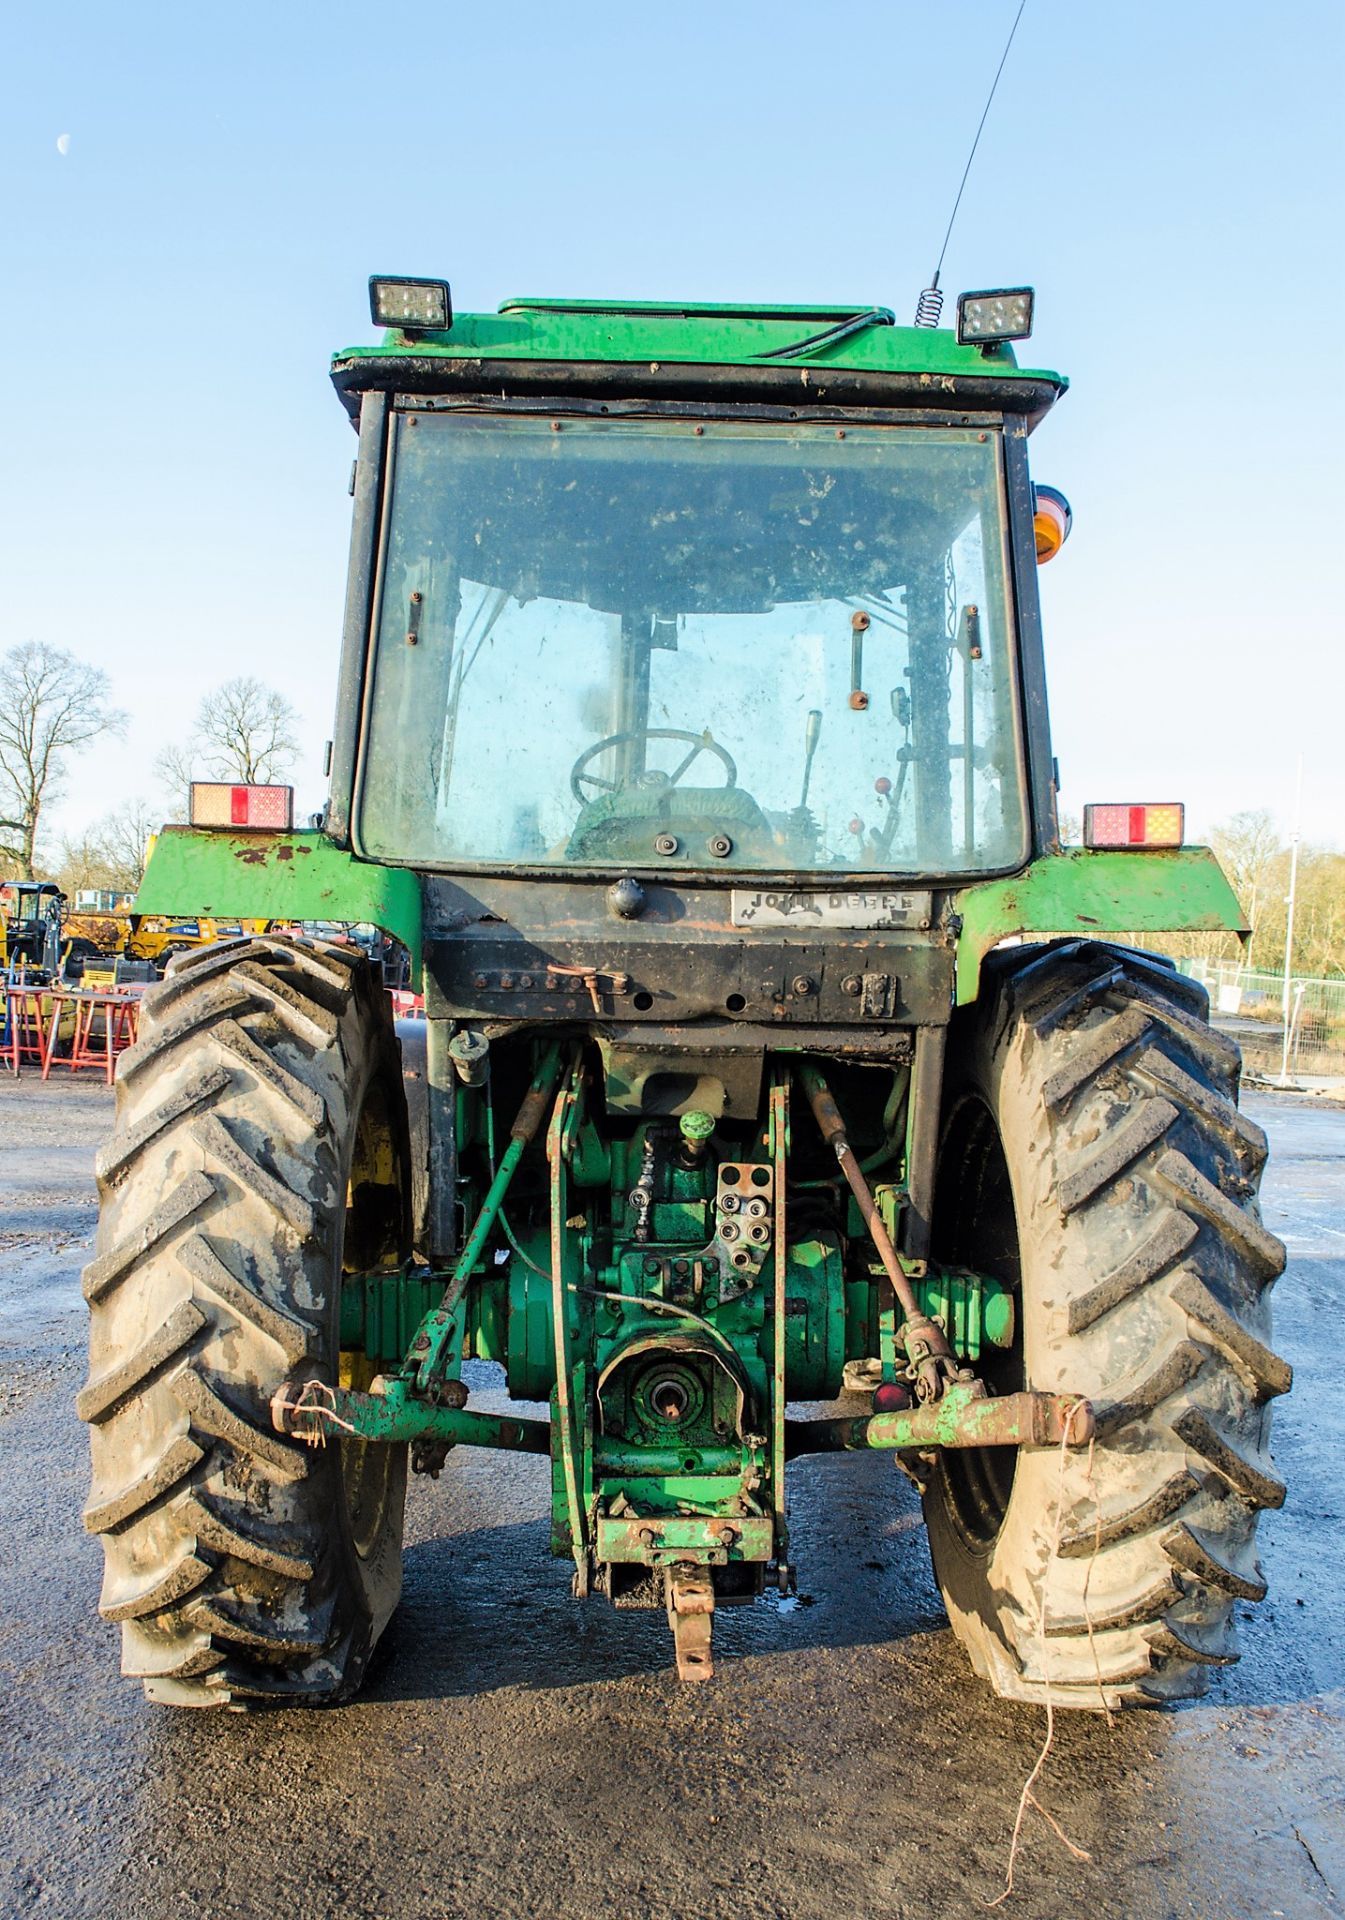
{"x": 930, "y": 304}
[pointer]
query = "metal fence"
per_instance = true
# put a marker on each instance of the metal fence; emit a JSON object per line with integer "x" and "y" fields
{"x": 1251, "y": 1006}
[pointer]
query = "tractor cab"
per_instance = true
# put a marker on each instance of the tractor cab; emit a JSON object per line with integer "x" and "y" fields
{"x": 781, "y": 623}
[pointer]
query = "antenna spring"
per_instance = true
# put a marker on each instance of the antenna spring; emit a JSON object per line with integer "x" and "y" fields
{"x": 929, "y": 306}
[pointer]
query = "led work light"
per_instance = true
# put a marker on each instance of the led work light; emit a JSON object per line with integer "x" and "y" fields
{"x": 412, "y": 306}
{"x": 1004, "y": 313}
{"x": 1125, "y": 824}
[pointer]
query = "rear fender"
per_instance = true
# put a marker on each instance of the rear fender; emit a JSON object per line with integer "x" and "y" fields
{"x": 225, "y": 875}
{"x": 1181, "y": 890}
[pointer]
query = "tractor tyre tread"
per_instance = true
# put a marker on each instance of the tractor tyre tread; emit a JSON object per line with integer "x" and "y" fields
{"x": 223, "y": 1189}
{"x": 1146, "y": 1276}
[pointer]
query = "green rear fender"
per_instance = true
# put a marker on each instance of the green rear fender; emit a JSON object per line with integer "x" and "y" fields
{"x": 1182, "y": 890}
{"x": 277, "y": 876}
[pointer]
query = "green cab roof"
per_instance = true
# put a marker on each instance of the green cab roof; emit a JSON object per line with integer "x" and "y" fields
{"x": 845, "y": 352}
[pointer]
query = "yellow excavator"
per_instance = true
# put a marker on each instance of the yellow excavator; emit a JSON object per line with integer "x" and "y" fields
{"x": 40, "y": 933}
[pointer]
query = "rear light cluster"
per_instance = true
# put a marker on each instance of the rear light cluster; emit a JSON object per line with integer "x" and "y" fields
{"x": 215, "y": 803}
{"x": 1149, "y": 824}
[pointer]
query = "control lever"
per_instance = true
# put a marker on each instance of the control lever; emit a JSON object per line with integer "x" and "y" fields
{"x": 810, "y": 740}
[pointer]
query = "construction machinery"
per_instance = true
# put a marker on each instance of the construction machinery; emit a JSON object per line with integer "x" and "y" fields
{"x": 160, "y": 937}
{"x": 103, "y": 936}
{"x": 692, "y": 738}
{"x": 101, "y": 929}
{"x": 30, "y": 928}
{"x": 42, "y": 940}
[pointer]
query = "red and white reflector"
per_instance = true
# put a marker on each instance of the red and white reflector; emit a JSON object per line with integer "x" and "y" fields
{"x": 1122, "y": 824}
{"x": 214, "y": 803}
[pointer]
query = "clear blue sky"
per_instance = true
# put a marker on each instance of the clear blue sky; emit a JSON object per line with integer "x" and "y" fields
{"x": 1168, "y": 176}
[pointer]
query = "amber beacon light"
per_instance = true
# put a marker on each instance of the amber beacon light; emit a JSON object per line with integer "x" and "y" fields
{"x": 1051, "y": 522}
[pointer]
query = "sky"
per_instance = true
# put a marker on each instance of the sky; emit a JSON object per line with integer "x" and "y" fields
{"x": 195, "y": 199}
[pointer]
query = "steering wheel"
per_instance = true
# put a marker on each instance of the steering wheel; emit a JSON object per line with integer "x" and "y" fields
{"x": 699, "y": 743}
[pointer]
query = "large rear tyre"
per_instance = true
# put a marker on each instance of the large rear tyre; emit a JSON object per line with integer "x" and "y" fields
{"x": 1094, "y": 1158}
{"x": 259, "y": 1146}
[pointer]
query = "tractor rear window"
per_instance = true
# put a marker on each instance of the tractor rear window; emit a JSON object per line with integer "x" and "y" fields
{"x": 681, "y": 644}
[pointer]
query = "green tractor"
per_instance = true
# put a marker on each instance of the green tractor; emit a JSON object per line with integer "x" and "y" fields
{"x": 692, "y": 738}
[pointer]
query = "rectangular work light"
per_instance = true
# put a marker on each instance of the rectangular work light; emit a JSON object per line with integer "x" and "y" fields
{"x": 217, "y": 803}
{"x": 1120, "y": 824}
{"x": 1001, "y": 314}
{"x": 413, "y": 306}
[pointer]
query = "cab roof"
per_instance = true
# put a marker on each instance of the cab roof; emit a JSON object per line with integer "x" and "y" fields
{"x": 844, "y": 354}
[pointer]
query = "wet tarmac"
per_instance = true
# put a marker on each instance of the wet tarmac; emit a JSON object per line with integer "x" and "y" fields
{"x": 517, "y": 1754}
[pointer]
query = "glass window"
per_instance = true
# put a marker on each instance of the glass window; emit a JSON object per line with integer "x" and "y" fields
{"x": 704, "y": 644}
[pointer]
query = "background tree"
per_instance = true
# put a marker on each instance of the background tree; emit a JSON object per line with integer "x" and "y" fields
{"x": 1249, "y": 851}
{"x": 245, "y": 731}
{"x": 175, "y": 768}
{"x": 83, "y": 863}
{"x": 1319, "y": 920}
{"x": 110, "y": 854}
{"x": 1319, "y": 914}
{"x": 51, "y": 703}
{"x": 126, "y": 841}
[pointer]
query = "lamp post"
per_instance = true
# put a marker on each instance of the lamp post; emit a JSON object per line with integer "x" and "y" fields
{"x": 1289, "y": 919}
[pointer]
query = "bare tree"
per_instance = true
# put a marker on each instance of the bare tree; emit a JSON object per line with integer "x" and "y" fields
{"x": 1248, "y": 848}
{"x": 50, "y": 704}
{"x": 125, "y": 840}
{"x": 175, "y": 768}
{"x": 1319, "y": 926}
{"x": 245, "y": 731}
{"x": 83, "y": 864}
{"x": 248, "y": 731}
{"x": 110, "y": 854}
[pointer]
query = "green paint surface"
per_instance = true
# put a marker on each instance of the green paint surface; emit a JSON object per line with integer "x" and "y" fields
{"x": 697, "y": 334}
{"x": 1079, "y": 892}
{"x": 974, "y": 1310}
{"x": 277, "y": 876}
{"x": 652, "y": 1539}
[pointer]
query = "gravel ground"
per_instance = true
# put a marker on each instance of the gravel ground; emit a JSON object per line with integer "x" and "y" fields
{"x": 520, "y": 1755}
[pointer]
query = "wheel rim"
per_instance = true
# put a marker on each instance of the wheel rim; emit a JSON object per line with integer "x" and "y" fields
{"x": 366, "y": 1469}
{"x": 979, "y": 1230}
{"x": 373, "y": 1238}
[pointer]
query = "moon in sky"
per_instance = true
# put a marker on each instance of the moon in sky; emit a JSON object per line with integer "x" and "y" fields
{"x": 63, "y": 143}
